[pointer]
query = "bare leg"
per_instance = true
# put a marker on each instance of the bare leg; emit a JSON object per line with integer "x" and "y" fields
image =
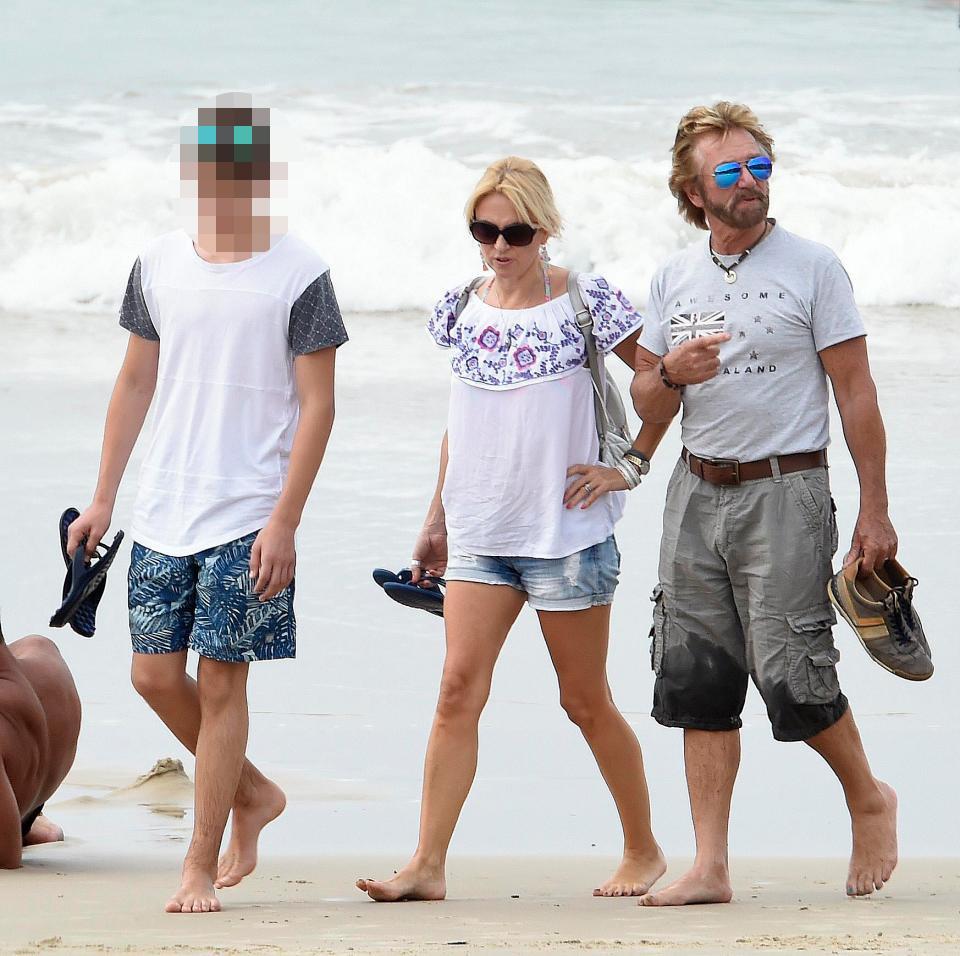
{"x": 712, "y": 759}
{"x": 220, "y": 748}
{"x": 577, "y": 641}
{"x": 162, "y": 680}
{"x": 872, "y": 805}
{"x": 477, "y": 619}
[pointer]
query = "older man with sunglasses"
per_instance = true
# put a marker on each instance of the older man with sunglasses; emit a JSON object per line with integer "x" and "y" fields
{"x": 742, "y": 332}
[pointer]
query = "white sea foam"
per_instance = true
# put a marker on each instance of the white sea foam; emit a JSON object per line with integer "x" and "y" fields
{"x": 378, "y": 182}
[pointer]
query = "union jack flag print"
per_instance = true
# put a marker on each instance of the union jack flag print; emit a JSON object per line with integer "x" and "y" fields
{"x": 694, "y": 325}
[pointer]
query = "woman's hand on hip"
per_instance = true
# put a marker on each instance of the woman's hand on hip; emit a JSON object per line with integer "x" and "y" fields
{"x": 589, "y": 483}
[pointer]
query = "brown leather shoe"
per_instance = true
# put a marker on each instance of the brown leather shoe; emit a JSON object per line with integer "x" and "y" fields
{"x": 879, "y": 608}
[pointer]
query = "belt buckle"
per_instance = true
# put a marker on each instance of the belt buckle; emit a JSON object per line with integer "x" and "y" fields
{"x": 733, "y": 464}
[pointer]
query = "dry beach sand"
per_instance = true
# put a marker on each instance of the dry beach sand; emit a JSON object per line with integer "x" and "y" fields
{"x": 75, "y": 899}
{"x": 87, "y": 897}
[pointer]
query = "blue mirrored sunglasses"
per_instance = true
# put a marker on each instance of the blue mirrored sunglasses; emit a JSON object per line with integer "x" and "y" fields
{"x": 726, "y": 174}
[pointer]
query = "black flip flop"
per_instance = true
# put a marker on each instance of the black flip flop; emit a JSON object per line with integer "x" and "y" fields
{"x": 85, "y": 580}
{"x": 382, "y": 576}
{"x": 428, "y": 597}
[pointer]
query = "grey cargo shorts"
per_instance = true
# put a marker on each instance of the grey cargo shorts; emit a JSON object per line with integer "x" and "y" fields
{"x": 743, "y": 575}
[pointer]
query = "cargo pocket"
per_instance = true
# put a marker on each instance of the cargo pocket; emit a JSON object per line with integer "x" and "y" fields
{"x": 806, "y": 502}
{"x": 658, "y": 632}
{"x": 811, "y": 655}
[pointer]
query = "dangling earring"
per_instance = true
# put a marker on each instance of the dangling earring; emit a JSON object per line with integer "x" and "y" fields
{"x": 483, "y": 259}
{"x": 545, "y": 266}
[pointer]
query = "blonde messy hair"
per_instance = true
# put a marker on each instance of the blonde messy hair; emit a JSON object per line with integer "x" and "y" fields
{"x": 522, "y": 182}
{"x": 720, "y": 118}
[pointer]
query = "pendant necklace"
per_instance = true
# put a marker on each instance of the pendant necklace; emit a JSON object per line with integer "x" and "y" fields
{"x": 547, "y": 292}
{"x": 729, "y": 272}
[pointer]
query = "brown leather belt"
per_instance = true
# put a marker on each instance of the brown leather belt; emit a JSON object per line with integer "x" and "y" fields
{"x": 729, "y": 471}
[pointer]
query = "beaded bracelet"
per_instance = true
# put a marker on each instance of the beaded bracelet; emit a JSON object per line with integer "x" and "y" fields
{"x": 665, "y": 379}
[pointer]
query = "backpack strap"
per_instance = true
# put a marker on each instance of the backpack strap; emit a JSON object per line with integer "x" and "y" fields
{"x": 462, "y": 302}
{"x": 472, "y": 285}
{"x": 595, "y": 363}
{"x": 584, "y": 318}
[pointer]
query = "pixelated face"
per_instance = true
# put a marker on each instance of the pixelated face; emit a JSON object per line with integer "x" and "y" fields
{"x": 227, "y": 152}
{"x": 225, "y": 164}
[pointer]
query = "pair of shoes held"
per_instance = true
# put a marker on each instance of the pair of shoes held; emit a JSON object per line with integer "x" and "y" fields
{"x": 425, "y": 596}
{"x": 85, "y": 581}
{"x": 879, "y": 608}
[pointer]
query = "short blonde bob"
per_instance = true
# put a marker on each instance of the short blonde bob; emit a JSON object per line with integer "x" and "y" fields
{"x": 522, "y": 182}
{"x": 720, "y": 118}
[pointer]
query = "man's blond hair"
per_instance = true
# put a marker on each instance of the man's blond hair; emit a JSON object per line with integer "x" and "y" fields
{"x": 522, "y": 182}
{"x": 720, "y": 118}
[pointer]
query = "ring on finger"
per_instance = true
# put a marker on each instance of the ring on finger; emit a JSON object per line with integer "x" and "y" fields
{"x": 414, "y": 563}
{"x": 587, "y": 488}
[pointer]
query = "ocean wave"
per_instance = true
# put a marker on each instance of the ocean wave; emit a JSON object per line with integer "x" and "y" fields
{"x": 389, "y": 219}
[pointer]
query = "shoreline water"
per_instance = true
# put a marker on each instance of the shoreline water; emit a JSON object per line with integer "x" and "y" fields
{"x": 344, "y": 727}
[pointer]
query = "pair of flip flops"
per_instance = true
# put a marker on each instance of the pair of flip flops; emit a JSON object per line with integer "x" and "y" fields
{"x": 85, "y": 581}
{"x": 426, "y": 597}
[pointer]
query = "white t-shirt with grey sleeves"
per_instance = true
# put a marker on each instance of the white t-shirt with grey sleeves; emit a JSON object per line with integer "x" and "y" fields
{"x": 791, "y": 300}
{"x": 225, "y": 408}
{"x": 521, "y": 413}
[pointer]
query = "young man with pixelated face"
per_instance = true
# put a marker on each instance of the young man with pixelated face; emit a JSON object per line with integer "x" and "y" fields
{"x": 233, "y": 334}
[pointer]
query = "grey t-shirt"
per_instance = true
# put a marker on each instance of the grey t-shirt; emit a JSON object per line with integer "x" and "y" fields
{"x": 791, "y": 300}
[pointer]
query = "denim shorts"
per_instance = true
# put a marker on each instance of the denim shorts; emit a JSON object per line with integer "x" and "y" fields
{"x": 579, "y": 581}
{"x": 205, "y": 602}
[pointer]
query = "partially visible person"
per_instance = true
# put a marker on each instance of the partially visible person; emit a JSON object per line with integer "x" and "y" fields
{"x": 39, "y": 727}
{"x": 530, "y": 513}
{"x": 233, "y": 336}
{"x": 743, "y": 331}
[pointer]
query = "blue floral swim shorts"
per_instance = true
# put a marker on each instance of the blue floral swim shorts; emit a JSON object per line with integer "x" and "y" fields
{"x": 206, "y": 602}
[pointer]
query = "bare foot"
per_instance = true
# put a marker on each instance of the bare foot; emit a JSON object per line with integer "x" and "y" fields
{"x": 411, "y": 883}
{"x": 634, "y": 876}
{"x": 43, "y": 831}
{"x": 240, "y": 857}
{"x": 196, "y": 893}
{"x": 874, "y": 845}
{"x": 696, "y": 886}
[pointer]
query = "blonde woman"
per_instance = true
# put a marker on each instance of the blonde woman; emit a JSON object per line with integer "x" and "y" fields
{"x": 523, "y": 512}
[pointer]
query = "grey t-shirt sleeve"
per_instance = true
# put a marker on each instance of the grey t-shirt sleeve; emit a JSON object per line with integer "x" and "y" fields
{"x": 834, "y": 314}
{"x": 134, "y": 314}
{"x": 652, "y": 338}
{"x": 315, "y": 319}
